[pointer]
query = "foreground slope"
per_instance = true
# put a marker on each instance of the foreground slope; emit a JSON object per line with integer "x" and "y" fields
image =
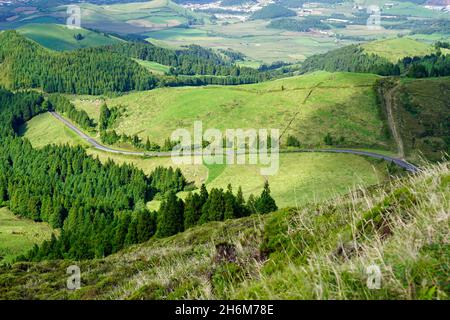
{"x": 320, "y": 251}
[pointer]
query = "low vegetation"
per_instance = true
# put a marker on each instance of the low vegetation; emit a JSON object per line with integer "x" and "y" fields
{"x": 422, "y": 112}
{"x": 319, "y": 251}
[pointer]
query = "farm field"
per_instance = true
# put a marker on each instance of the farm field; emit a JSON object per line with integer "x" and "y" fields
{"x": 137, "y": 17}
{"x": 18, "y": 235}
{"x": 302, "y": 177}
{"x": 59, "y": 37}
{"x": 307, "y": 107}
{"x": 252, "y": 38}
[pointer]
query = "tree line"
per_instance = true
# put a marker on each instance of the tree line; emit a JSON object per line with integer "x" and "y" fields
{"x": 354, "y": 59}
{"x": 85, "y": 71}
{"x": 111, "y": 69}
{"x": 199, "y": 208}
{"x": 190, "y": 61}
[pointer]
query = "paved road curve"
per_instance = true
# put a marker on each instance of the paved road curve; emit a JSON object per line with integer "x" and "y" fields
{"x": 401, "y": 163}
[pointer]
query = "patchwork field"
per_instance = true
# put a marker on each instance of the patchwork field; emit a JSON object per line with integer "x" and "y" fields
{"x": 252, "y": 38}
{"x": 302, "y": 177}
{"x": 18, "y": 235}
{"x": 308, "y": 107}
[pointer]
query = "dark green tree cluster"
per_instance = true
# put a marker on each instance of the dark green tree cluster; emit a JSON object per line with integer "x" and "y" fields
{"x": 292, "y": 142}
{"x": 203, "y": 207}
{"x": 112, "y": 69}
{"x": 168, "y": 179}
{"x": 63, "y": 105}
{"x": 434, "y": 65}
{"x": 108, "y": 117}
{"x": 86, "y": 71}
{"x": 273, "y": 11}
{"x": 192, "y": 60}
{"x": 111, "y": 137}
{"x": 350, "y": 59}
{"x": 354, "y": 59}
{"x": 442, "y": 44}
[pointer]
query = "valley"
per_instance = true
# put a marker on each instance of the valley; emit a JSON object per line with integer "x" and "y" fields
{"x": 355, "y": 208}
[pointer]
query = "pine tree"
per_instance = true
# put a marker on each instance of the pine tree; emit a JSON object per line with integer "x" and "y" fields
{"x": 146, "y": 226}
{"x": 170, "y": 216}
{"x": 265, "y": 203}
{"x": 230, "y": 204}
{"x": 251, "y": 204}
{"x": 241, "y": 208}
{"x": 132, "y": 234}
{"x": 105, "y": 113}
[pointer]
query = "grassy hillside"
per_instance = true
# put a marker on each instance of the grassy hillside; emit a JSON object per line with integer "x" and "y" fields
{"x": 59, "y": 37}
{"x": 308, "y": 107}
{"x": 397, "y": 48}
{"x": 43, "y": 130}
{"x": 316, "y": 252}
{"x": 302, "y": 177}
{"x": 422, "y": 112}
{"x": 18, "y": 235}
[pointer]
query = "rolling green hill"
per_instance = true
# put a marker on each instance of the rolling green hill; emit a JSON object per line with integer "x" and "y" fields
{"x": 273, "y": 11}
{"x": 319, "y": 251}
{"x": 308, "y": 107}
{"x": 60, "y": 38}
{"x": 302, "y": 177}
{"x": 398, "y": 48}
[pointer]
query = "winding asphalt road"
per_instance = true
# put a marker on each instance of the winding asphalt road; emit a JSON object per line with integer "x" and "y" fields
{"x": 401, "y": 163}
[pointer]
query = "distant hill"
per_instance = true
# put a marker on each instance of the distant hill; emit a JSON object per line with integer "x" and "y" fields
{"x": 273, "y": 11}
{"x": 438, "y": 2}
{"x": 398, "y": 48}
{"x": 396, "y": 56}
{"x": 26, "y": 64}
{"x": 59, "y": 37}
{"x": 352, "y": 58}
{"x": 231, "y": 3}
